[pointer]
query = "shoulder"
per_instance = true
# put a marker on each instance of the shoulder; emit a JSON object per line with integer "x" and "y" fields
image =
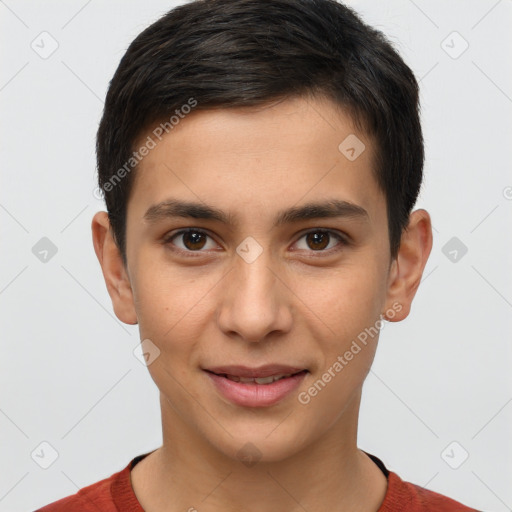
{"x": 408, "y": 497}
{"x": 97, "y": 496}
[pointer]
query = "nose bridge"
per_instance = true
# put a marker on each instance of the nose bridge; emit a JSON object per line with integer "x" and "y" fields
{"x": 253, "y": 302}
{"x": 255, "y": 279}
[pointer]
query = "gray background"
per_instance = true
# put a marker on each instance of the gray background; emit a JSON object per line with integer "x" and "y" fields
{"x": 68, "y": 376}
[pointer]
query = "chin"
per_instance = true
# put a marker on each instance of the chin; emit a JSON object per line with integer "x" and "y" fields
{"x": 260, "y": 447}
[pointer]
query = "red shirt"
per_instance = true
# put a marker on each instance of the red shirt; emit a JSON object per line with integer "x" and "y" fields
{"x": 115, "y": 494}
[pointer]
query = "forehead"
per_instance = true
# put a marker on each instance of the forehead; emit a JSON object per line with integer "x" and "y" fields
{"x": 251, "y": 163}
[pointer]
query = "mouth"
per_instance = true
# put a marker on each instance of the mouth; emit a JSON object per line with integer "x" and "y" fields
{"x": 256, "y": 387}
{"x": 259, "y": 372}
{"x": 258, "y": 380}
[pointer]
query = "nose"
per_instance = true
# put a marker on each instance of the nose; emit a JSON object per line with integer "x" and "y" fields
{"x": 255, "y": 301}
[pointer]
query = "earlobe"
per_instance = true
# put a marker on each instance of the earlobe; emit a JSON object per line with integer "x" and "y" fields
{"x": 406, "y": 271}
{"x": 114, "y": 272}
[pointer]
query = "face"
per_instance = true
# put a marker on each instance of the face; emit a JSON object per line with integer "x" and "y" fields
{"x": 253, "y": 240}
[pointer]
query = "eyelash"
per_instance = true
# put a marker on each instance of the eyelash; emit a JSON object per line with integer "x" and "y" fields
{"x": 194, "y": 254}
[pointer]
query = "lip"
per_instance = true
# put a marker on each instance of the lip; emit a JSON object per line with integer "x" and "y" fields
{"x": 261, "y": 371}
{"x": 252, "y": 394}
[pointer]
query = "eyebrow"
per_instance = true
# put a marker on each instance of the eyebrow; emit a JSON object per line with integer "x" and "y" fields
{"x": 332, "y": 208}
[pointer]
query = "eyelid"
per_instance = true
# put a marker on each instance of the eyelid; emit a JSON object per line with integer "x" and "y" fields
{"x": 168, "y": 238}
{"x": 341, "y": 237}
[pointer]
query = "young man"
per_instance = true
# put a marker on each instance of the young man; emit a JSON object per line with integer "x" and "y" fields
{"x": 260, "y": 162}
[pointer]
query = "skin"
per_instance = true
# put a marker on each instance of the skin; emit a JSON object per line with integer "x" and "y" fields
{"x": 295, "y": 304}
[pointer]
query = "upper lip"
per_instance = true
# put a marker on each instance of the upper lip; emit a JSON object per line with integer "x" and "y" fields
{"x": 260, "y": 371}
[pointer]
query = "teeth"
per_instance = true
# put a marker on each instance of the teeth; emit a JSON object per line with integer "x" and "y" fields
{"x": 258, "y": 380}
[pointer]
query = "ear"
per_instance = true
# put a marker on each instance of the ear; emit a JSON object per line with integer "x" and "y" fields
{"x": 114, "y": 271}
{"x": 406, "y": 270}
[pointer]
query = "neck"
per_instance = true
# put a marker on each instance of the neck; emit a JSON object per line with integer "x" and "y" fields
{"x": 191, "y": 474}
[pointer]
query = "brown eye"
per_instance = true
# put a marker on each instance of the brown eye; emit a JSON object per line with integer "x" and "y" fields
{"x": 317, "y": 240}
{"x": 190, "y": 240}
{"x": 321, "y": 241}
{"x": 194, "y": 240}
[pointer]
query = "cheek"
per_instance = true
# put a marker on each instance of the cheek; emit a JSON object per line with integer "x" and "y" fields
{"x": 349, "y": 305}
{"x": 167, "y": 297}
{"x": 346, "y": 300}
{"x": 171, "y": 310}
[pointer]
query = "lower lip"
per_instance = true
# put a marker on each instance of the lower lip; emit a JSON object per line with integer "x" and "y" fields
{"x": 253, "y": 394}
